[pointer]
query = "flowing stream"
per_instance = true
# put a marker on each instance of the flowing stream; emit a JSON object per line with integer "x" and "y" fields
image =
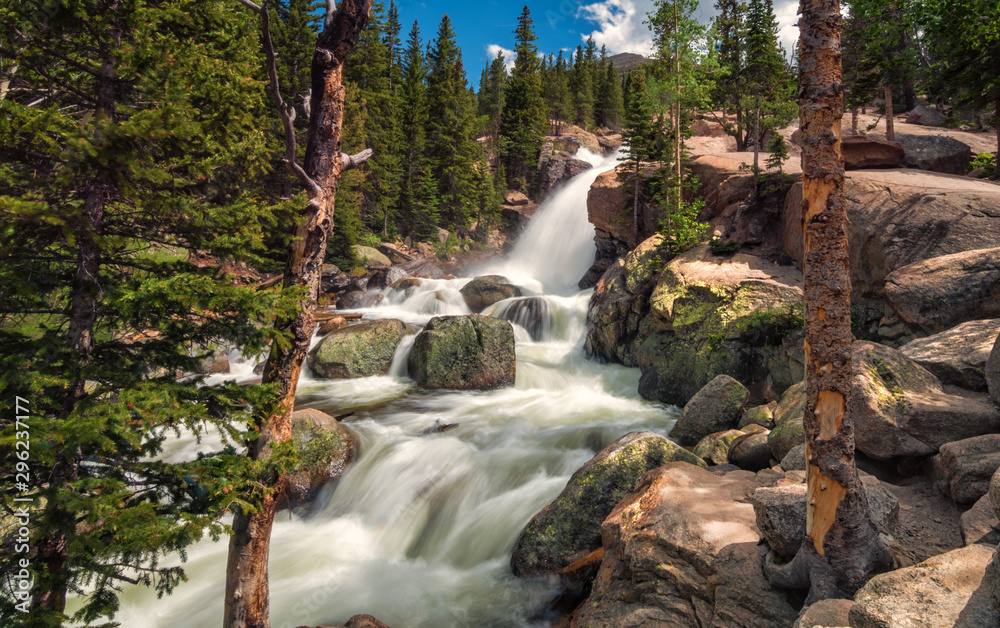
{"x": 419, "y": 530}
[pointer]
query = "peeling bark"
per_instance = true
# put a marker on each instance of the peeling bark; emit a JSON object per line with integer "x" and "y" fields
{"x": 842, "y": 547}
{"x": 247, "y": 603}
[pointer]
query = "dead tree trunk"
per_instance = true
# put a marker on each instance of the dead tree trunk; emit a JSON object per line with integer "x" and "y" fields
{"x": 842, "y": 547}
{"x": 246, "y": 601}
{"x": 890, "y": 129}
{"x": 996, "y": 162}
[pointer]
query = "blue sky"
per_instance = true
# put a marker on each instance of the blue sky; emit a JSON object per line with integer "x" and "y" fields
{"x": 484, "y": 26}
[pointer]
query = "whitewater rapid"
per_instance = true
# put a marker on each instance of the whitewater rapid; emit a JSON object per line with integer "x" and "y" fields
{"x": 419, "y": 530}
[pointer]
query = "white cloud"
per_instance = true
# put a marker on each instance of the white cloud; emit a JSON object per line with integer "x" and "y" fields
{"x": 621, "y": 23}
{"x": 492, "y": 50}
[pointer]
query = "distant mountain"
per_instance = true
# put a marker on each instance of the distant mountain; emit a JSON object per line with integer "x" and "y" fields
{"x": 627, "y": 60}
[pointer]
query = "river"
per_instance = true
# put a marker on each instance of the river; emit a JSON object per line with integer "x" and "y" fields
{"x": 419, "y": 530}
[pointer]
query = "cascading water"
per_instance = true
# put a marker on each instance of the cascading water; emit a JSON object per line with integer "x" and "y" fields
{"x": 419, "y": 530}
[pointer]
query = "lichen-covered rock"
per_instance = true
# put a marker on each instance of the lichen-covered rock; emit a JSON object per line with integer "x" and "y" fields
{"x": 482, "y": 292}
{"x": 957, "y": 356}
{"x": 942, "y": 592}
{"x": 558, "y": 169}
{"x": 940, "y": 293}
{"x": 758, "y": 415}
{"x": 714, "y": 408}
{"x": 570, "y": 527}
{"x": 358, "y": 350}
{"x": 795, "y": 459}
{"x": 901, "y": 409}
{"x": 714, "y": 448}
{"x": 370, "y": 257}
{"x": 464, "y": 353}
{"x": 325, "y": 447}
{"x": 681, "y": 550}
{"x": 751, "y": 452}
{"x": 788, "y": 429}
{"x": 968, "y": 466}
{"x": 710, "y": 315}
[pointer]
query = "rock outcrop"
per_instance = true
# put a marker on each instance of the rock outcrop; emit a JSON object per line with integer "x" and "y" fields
{"x": 464, "y": 353}
{"x": 926, "y": 115}
{"x": 682, "y": 550}
{"x": 714, "y": 448}
{"x": 558, "y": 169}
{"x": 935, "y": 152}
{"x": 569, "y": 528}
{"x": 939, "y": 293}
{"x": 358, "y": 350}
{"x": 325, "y": 447}
{"x": 967, "y": 466}
{"x": 901, "y": 409}
{"x": 944, "y": 591}
{"x": 865, "y": 152}
{"x": 957, "y": 356}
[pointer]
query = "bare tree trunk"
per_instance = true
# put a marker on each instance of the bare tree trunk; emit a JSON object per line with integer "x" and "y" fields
{"x": 635, "y": 209}
{"x": 841, "y": 547}
{"x": 996, "y": 112}
{"x": 677, "y": 117}
{"x": 854, "y": 121}
{"x": 756, "y": 148}
{"x": 247, "y": 604}
{"x": 890, "y": 130}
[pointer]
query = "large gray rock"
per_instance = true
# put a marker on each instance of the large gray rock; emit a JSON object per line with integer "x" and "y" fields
{"x": 926, "y": 115}
{"x": 751, "y": 451}
{"x": 993, "y": 372}
{"x": 788, "y": 429}
{"x": 945, "y": 591}
{"x": 968, "y": 466}
{"x": 558, "y": 169}
{"x": 464, "y": 353}
{"x": 994, "y": 492}
{"x": 422, "y": 268}
{"x": 829, "y": 613}
{"x": 957, "y": 356}
{"x": 358, "y": 350}
{"x": 716, "y": 407}
{"x": 482, "y": 292}
{"x": 795, "y": 459}
{"x": 370, "y": 257}
{"x": 570, "y": 527}
{"x": 935, "y": 152}
{"x": 980, "y": 524}
{"x": 901, "y": 409}
{"x": 937, "y": 294}
{"x": 681, "y": 550}
{"x": 325, "y": 447}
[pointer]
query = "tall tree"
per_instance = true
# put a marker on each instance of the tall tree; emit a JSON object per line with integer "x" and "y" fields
{"x": 413, "y": 122}
{"x": 637, "y": 137}
{"x": 764, "y": 67}
{"x": 524, "y": 120}
{"x": 492, "y": 88}
{"x": 582, "y": 90}
{"x": 247, "y": 603}
{"x": 730, "y": 28}
{"x": 841, "y": 547}
{"x": 558, "y": 99}
{"x": 129, "y": 138}
{"x": 610, "y": 107}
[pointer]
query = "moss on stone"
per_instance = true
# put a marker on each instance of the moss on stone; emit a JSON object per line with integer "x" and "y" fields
{"x": 358, "y": 350}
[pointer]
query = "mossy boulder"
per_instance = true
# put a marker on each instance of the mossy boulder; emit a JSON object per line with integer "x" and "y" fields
{"x": 325, "y": 447}
{"x": 788, "y": 429}
{"x": 569, "y": 528}
{"x": 758, "y": 415}
{"x": 358, "y": 350}
{"x": 482, "y": 292}
{"x": 370, "y": 257}
{"x": 714, "y": 448}
{"x": 464, "y": 353}
{"x": 901, "y": 409}
{"x": 714, "y": 408}
{"x": 708, "y": 316}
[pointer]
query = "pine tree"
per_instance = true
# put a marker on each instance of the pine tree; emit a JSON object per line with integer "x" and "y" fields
{"x": 637, "y": 137}
{"x": 730, "y": 85}
{"x": 765, "y": 68}
{"x": 413, "y": 123}
{"x": 524, "y": 120}
{"x": 492, "y": 88}
{"x": 582, "y": 90}
{"x": 294, "y": 28}
{"x": 130, "y": 140}
{"x": 451, "y": 150}
{"x": 557, "y": 97}
{"x": 610, "y": 107}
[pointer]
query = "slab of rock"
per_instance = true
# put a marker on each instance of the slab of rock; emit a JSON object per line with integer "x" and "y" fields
{"x": 482, "y": 292}
{"x": 795, "y": 459}
{"x": 957, "y": 356}
{"x": 513, "y": 197}
{"x": 423, "y": 268}
{"x": 681, "y": 550}
{"x": 939, "y": 293}
{"x": 926, "y": 115}
{"x": 901, "y": 409}
{"x": 979, "y": 524}
{"x": 358, "y": 350}
{"x": 830, "y": 613}
{"x": 325, "y": 447}
{"x": 384, "y": 276}
{"x": 944, "y": 591}
{"x": 714, "y": 448}
{"x": 570, "y": 526}
{"x": 711, "y": 315}
{"x": 968, "y": 466}
{"x": 714, "y": 408}
{"x": 558, "y": 169}
{"x": 751, "y": 452}
{"x": 370, "y": 257}
{"x": 993, "y": 372}
{"x": 935, "y": 152}
{"x": 464, "y": 353}
{"x": 865, "y": 152}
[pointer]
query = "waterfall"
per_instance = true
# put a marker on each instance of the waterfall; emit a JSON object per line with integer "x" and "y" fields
{"x": 419, "y": 530}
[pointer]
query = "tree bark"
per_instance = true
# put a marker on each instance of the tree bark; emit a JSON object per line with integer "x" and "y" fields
{"x": 247, "y": 604}
{"x": 996, "y": 162}
{"x": 841, "y": 547}
{"x": 890, "y": 130}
